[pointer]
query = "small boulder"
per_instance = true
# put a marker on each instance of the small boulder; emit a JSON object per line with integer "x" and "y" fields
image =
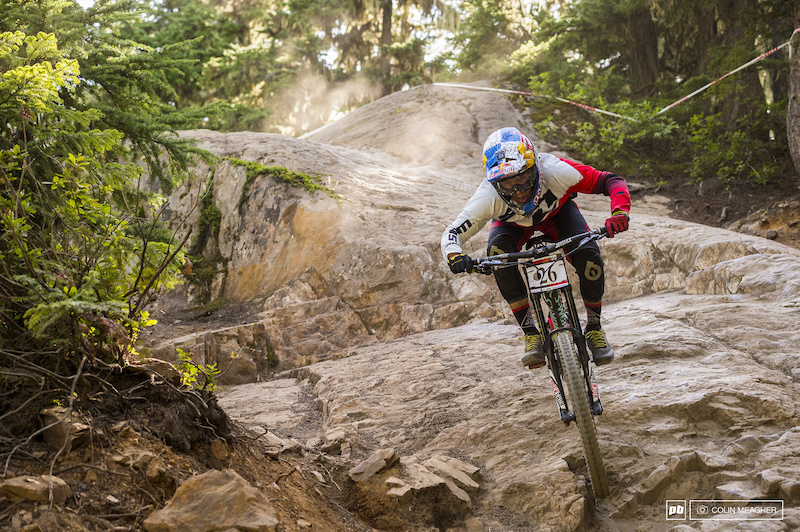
{"x": 65, "y": 429}
{"x": 36, "y": 488}
{"x": 379, "y": 460}
{"x": 215, "y": 500}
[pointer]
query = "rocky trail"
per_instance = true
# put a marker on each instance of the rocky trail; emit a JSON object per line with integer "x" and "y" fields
{"x": 388, "y": 359}
{"x": 391, "y": 390}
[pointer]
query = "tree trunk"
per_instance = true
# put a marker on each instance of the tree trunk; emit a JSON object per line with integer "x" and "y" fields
{"x": 706, "y": 38}
{"x": 793, "y": 110}
{"x": 386, "y": 41}
{"x": 747, "y": 90}
{"x": 643, "y": 40}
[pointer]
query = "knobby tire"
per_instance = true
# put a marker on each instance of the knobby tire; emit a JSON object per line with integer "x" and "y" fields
{"x": 573, "y": 375}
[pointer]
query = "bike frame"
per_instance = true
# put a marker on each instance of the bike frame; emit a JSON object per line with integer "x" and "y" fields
{"x": 550, "y": 291}
{"x": 562, "y": 316}
{"x": 564, "y": 344}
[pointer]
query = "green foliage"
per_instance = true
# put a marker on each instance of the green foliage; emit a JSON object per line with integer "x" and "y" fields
{"x": 701, "y": 138}
{"x": 81, "y": 244}
{"x": 717, "y": 151}
{"x": 487, "y": 35}
{"x": 311, "y": 183}
{"x": 624, "y": 144}
{"x": 208, "y": 221}
{"x": 605, "y": 141}
{"x": 191, "y": 371}
{"x": 750, "y": 150}
{"x": 123, "y": 85}
{"x": 210, "y": 217}
{"x": 201, "y": 271}
{"x": 206, "y": 32}
{"x": 409, "y": 57}
{"x": 700, "y": 146}
{"x": 272, "y": 65}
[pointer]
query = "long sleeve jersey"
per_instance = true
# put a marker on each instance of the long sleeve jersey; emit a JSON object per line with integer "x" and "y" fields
{"x": 560, "y": 180}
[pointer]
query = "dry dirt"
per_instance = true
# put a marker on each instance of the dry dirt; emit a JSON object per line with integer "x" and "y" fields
{"x": 747, "y": 207}
{"x": 189, "y": 434}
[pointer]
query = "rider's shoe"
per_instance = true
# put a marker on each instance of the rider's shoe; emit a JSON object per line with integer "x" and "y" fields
{"x": 598, "y": 344}
{"x": 534, "y": 354}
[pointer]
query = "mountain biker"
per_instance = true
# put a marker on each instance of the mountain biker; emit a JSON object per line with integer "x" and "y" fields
{"x": 526, "y": 191}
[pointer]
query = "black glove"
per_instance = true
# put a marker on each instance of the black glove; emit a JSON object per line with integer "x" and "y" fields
{"x": 460, "y": 263}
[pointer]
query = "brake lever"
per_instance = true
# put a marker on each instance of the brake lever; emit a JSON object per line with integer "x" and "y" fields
{"x": 489, "y": 265}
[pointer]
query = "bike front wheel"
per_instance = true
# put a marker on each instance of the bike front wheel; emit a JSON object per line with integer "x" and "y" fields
{"x": 579, "y": 399}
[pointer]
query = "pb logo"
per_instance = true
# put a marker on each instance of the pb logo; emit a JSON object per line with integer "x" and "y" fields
{"x": 676, "y": 510}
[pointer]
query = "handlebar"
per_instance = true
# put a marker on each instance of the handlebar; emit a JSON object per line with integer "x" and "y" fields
{"x": 486, "y": 265}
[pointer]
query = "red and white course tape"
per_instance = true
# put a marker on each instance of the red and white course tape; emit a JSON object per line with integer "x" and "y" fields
{"x": 595, "y": 109}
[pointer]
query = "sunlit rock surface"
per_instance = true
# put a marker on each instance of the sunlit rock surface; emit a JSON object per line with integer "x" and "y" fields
{"x": 382, "y": 348}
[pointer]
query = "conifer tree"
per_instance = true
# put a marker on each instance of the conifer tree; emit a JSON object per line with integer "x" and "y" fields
{"x": 273, "y": 61}
{"x": 126, "y": 81}
{"x": 81, "y": 245}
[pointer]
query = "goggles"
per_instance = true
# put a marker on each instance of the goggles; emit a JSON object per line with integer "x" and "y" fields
{"x": 518, "y": 183}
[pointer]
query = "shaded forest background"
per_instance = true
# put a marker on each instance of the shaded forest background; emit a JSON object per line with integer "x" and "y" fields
{"x": 91, "y": 98}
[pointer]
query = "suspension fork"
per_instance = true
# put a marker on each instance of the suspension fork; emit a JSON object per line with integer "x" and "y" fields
{"x": 553, "y": 366}
{"x": 547, "y": 327}
{"x": 562, "y": 319}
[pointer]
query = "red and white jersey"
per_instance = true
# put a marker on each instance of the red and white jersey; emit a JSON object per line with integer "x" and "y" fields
{"x": 560, "y": 180}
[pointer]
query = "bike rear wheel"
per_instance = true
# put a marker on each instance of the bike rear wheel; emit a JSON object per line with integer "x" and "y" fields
{"x": 571, "y": 370}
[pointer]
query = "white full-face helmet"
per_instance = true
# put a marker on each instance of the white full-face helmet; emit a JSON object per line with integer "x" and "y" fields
{"x": 511, "y": 163}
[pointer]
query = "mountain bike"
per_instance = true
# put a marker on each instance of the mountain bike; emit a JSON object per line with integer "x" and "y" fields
{"x": 544, "y": 268}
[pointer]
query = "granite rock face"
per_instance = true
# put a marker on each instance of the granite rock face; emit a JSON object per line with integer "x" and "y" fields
{"x": 385, "y": 350}
{"x": 328, "y": 274}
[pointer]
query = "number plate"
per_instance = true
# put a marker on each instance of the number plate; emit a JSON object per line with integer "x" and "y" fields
{"x": 547, "y": 274}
